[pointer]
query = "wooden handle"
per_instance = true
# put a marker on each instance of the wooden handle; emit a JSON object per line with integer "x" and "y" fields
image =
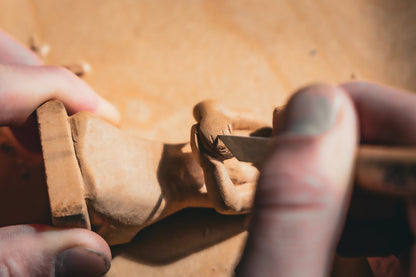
{"x": 63, "y": 175}
{"x": 386, "y": 169}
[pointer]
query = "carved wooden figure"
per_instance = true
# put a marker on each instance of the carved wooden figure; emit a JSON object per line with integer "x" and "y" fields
{"x": 103, "y": 179}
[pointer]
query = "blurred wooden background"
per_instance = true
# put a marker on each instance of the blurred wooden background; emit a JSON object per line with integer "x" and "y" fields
{"x": 155, "y": 59}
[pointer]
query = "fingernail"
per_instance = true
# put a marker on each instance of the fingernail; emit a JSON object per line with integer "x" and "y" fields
{"x": 312, "y": 111}
{"x": 80, "y": 261}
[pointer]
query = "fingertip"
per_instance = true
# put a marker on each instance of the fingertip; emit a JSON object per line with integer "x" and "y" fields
{"x": 13, "y": 52}
{"x": 107, "y": 111}
{"x": 79, "y": 252}
{"x": 51, "y": 251}
{"x": 356, "y": 88}
{"x": 312, "y": 110}
{"x": 80, "y": 238}
{"x": 80, "y": 261}
{"x": 58, "y": 239}
{"x": 356, "y": 84}
{"x": 303, "y": 185}
{"x": 386, "y": 114}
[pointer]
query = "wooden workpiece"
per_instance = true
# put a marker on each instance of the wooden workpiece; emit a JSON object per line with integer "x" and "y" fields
{"x": 66, "y": 195}
{"x": 155, "y": 61}
{"x": 129, "y": 183}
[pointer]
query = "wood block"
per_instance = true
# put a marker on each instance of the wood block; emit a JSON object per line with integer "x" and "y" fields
{"x": 63, "y": 175}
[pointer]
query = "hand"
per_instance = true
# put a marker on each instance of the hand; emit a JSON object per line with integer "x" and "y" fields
{"x": 41, "y": 250}
{"x": 305, "y": 187}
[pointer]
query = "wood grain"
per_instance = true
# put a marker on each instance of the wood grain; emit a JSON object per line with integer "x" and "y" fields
{"x": 63, "y": 175}
{"x": 156, "y": 59}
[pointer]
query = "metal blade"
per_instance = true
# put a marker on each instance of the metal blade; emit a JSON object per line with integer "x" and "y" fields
{"x": 246, "y": 149}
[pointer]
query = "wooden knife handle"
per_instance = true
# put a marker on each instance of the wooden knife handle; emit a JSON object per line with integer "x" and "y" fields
{"x": 387, "y": 169}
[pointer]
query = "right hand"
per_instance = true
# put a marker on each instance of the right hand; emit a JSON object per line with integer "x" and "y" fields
{"x": 304, "y": 188}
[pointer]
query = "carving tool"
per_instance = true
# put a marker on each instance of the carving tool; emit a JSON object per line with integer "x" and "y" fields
{"x": 385, "y": 169}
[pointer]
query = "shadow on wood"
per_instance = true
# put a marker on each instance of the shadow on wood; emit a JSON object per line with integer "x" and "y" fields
{"x": 180, "y": 235}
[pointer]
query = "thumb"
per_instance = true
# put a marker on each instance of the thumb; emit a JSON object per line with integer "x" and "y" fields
{"x": 303, "y": 188}
{"x": 40, "y": 250}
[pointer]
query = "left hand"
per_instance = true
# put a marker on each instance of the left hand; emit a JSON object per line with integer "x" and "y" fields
{"x": 41, "y": 250}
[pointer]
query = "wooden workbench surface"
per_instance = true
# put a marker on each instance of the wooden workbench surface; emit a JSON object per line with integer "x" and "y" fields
{"x": 155, "y": 59}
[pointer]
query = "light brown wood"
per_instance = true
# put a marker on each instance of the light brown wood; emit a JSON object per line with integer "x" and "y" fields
{"x": 121, "y": 178}
{"x": 79, "y": 69}
{"x": 155, "y": 60}
{"x": 389, "y": 170}
{"x": 63, "y": 175}
{"x": 129, "y": 183}
{"x": 230, "y": 196}
{"x": 39, "y": 48}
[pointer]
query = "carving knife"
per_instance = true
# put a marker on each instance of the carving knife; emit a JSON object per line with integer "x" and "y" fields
{"x": 246, "y": 149}
{"x": 384, "y": 169}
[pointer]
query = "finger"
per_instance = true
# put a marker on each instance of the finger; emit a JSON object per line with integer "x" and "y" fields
{"x": 24, "y": 88}
{"x": 12, "y": 52}
{"x": 40, "y": 250}
{"x": 303, "y": 187}
{"x": 387, "y": 115}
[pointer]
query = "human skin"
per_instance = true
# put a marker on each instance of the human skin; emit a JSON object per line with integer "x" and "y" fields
{"x": 19, "y": 99}
{"x": 41, "y": 250}
{"x": 305, "y": 185}
{"x": 279, "y": 243}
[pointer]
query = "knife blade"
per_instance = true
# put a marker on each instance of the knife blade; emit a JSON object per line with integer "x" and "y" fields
{"x": 246, "y": 149}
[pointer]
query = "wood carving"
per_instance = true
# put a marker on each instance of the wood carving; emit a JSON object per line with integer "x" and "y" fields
{"x": 229, "y": 195}
{"x": 103, "y": 179}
